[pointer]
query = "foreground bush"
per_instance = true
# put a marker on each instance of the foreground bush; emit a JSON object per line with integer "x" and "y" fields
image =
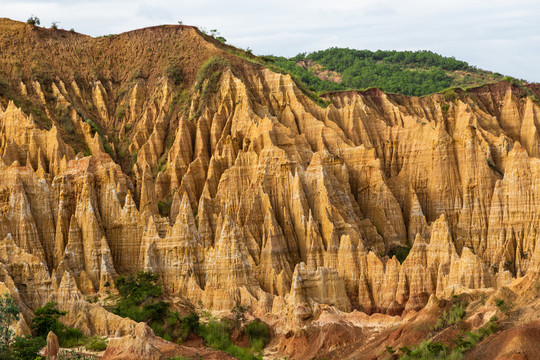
{"x": 47, "y": 319}
{"x": 97, "y": 344}
{"x": 258, "y": 333}
{"x": 216, "y": 335}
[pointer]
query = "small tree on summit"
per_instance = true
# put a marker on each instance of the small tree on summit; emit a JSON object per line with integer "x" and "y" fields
{"x": 33, "y": 20}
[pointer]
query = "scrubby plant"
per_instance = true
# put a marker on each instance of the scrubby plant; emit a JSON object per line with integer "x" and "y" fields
{"x": 174, "y": 73}
{"x": 46, "y": 319}
{"x": 97, "y": 344}
{"x": 33, "y": 20}
{"x": 502, "y": 305}
{"x": 427, "y": 350}
{"x": 27, "y": 348}
{"x": 216, "y": 335}
{"x": 211, "y": 70}
{"x": 456, "y": 313}
{"x": 189, "y": 324}
{"x": 138, "y": 294}
{"x": 450, "y": 95}
{"x": 239, "y": 312}
{"x": 258, "y": 333}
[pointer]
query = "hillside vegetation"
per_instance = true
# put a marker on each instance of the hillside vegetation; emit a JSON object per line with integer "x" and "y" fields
{"x": 412, "y": 73}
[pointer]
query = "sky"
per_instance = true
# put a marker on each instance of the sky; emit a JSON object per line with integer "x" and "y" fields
{"x": 498, "y": 35}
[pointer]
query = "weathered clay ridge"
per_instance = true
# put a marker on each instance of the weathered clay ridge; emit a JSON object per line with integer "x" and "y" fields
{"x": 251, "y": 193}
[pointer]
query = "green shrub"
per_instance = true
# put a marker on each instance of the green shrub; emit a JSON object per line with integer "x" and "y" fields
{"x": 139, "y": 287}
{"x": 27, "y": 347}
{"x": 512, "y": 80}
{"x": 9, "y": 312}
{"x": 502, "y": 305}
{"x": 258, "y": 333}
{"x": 189, "y": 324}
{"x": 174, "y": 73}
{"x": 450, "y": 95}
{"x": 97, "y": 344}
{"x": 164, "y": 207}
{"x": 46, "y": 319}
{"x": 135, "y": 290}
{"x": 70, "y": 337}
{"x": 239, "y": 312}
{"x": 211, "y": 70}
{"x": 216, "y": 335}
{"x": 427, "y": 350}
{"x": 172, "y": 318}
{"x": 456, "y": 313}
{"x": 33, "y": 20}
{"x": 445, "y": 108}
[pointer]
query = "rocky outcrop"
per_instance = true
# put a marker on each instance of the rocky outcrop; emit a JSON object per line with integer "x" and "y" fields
{"x": 235, "y": 187}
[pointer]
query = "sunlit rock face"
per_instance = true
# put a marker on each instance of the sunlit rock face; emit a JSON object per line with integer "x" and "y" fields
{"x": 251, "y": 193}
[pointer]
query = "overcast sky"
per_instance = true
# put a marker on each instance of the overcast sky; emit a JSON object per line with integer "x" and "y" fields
{"x": 496, "y": 35}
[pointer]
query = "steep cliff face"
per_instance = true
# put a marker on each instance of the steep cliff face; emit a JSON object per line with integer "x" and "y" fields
{"x": 235, "y": 187}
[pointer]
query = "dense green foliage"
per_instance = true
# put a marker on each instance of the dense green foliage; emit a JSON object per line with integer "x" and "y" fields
{"x": 20, "y": 347}
{"x": 405, "y": 72}
{"x": 27, "y": 347}
{"x": 139, "y": 300}
{"x": 97, "y": 344}
{"x": 216, "y": 334}
{"x": 258, "y": 333}
{"x": 138, "y": 297}
{"x": 47, "y": 319}
{"x": 9, "y": 312}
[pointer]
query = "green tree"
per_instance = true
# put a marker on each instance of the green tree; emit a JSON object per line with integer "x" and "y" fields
{"x": 27, "y": 347}
{"x": 46, "y": 319}
{"x": 9, "y": 312}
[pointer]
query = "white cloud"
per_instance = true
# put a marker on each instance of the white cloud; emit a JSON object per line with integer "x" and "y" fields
{"x": 496, "y": 35}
